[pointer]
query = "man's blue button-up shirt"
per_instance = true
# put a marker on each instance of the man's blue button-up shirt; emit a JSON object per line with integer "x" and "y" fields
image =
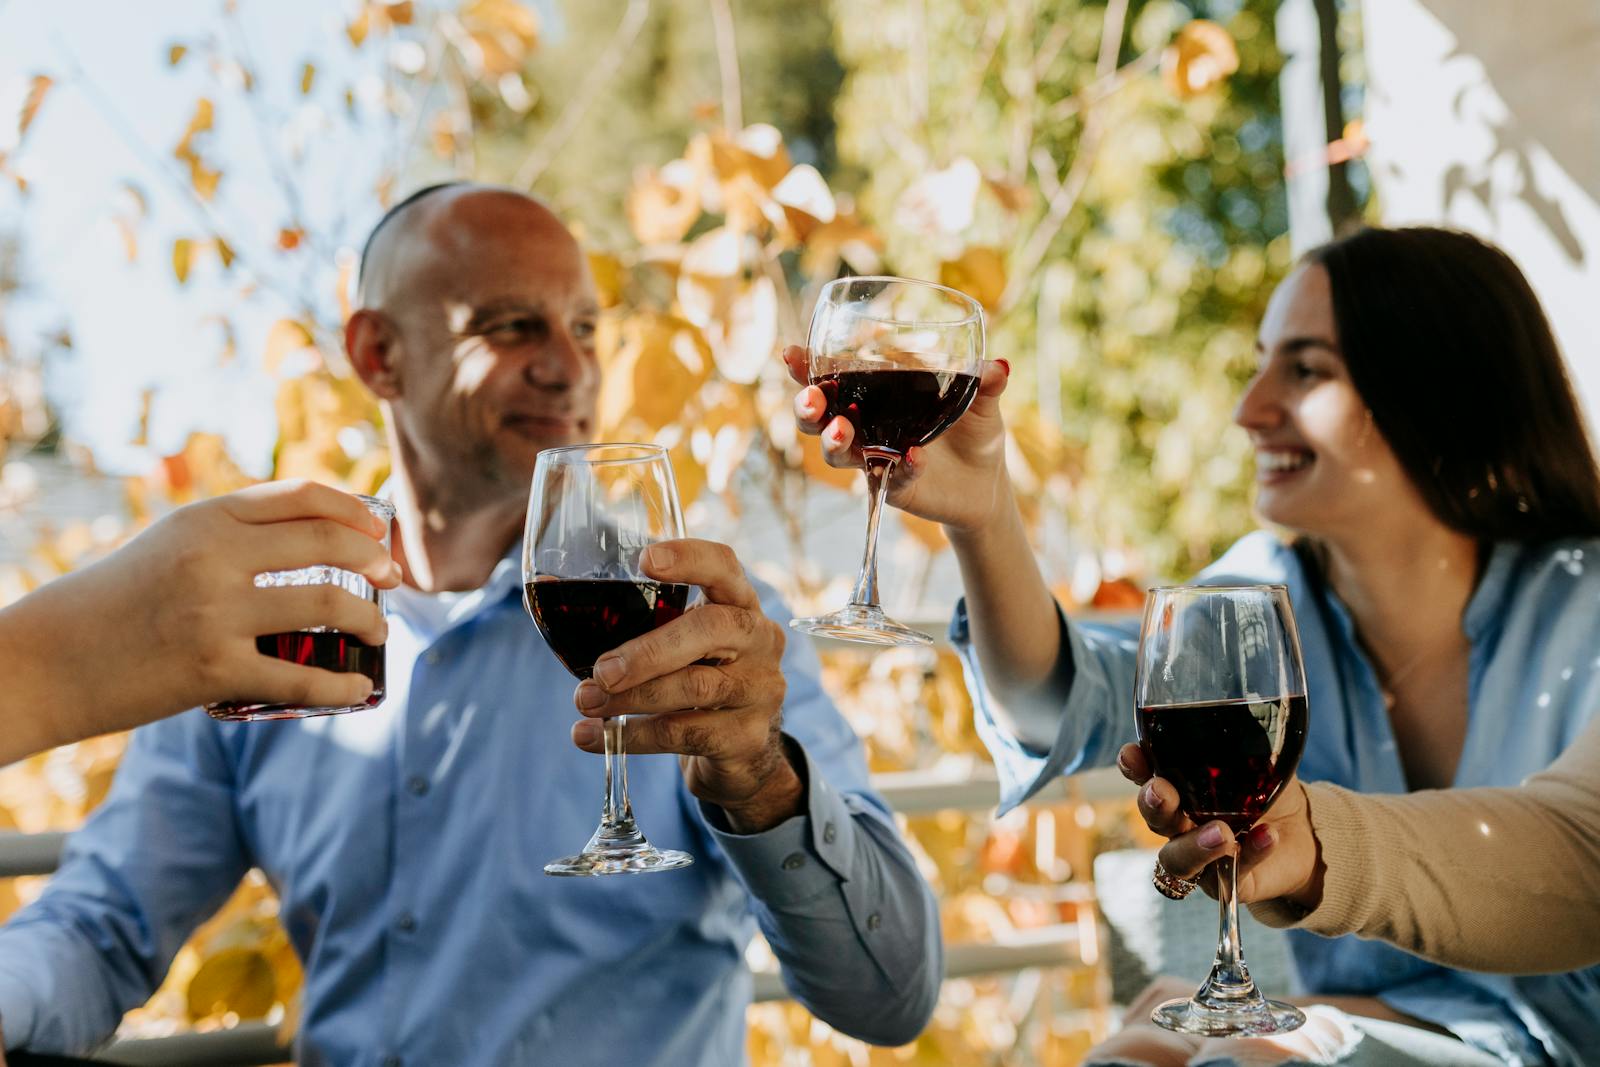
{"x": 407, "y": 843}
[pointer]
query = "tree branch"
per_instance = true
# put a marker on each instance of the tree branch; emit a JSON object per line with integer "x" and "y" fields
{"x": 600, "y": 74}
{"x": 728, "y": 66}
{"x": 1071, "y": 188}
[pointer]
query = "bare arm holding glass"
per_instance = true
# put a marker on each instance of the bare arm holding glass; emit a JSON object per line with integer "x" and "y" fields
{"x": 960, "y": 481}
{"x": 170, "y": 619}
{"x": 1502, "y": 880}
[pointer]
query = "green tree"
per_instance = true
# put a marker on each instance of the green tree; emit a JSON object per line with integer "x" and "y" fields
{"x": 1129, "y": 316}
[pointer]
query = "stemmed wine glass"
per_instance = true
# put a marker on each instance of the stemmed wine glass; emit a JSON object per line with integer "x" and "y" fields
{"x": 1221, "y": 696}
{"x": 592, "y": 512}
{"x": 900, "y": 359}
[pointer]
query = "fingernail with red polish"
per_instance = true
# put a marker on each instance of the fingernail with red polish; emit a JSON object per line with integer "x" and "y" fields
{"x": 1262, "y": 837}
{"x": 1005, "y": 365}
{"x": 1210, "y": 837}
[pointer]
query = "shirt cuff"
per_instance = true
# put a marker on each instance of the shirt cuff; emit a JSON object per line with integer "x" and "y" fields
{"x": 803, "y": 856}
{"x": 1081, "y": 726}
{"x": 17, "y": 1010}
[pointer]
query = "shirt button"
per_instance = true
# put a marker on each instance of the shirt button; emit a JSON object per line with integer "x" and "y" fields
{"x": 406, "y": 922}
{"x": 417, "y": 785}
{"x": 794, "y": 861}
{"x": 874, "y": 921}
{"x": 829, "y": 833}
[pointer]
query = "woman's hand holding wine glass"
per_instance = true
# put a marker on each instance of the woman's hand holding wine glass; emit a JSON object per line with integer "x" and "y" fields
{"x": 1278, "y": 858}
{"x": 940, "y": 481}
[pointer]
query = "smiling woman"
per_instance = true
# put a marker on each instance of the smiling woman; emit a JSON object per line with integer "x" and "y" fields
{"x": 1416, "y": 435}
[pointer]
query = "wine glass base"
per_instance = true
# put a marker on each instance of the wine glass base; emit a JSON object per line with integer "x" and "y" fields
{"x": 631, "y": 861}
{"x": 1255, "y": 1018}
{"x": 863, "y": 623}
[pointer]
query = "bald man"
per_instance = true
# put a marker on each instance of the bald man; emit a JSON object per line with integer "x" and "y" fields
{"x": 407, "y": 842}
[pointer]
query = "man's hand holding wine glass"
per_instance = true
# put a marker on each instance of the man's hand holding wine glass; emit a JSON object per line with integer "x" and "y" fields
{"x": 706, "y": 686}
{"x": 940, "y": 481}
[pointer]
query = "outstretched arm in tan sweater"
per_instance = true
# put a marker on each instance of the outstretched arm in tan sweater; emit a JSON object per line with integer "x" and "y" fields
{"x": 1504, "y": 880}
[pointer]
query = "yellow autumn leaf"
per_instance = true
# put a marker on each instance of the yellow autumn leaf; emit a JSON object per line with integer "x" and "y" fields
{"x": 203, "y": 178}
{"x": 608, "y": 273}
{"x": 236, "y": 980}
{"x": 504, "y": 33}
{"x": 308, "y": 78}
{"x": 1201, "y": 57}
{"x": 661, "y": 362}
{"x": 356, "y": 30}
{"x": 980, "y": 272}
{"x": 804, "y": 201}
{"x": 225, "y": 252}
{"x": 37, "y": 89}
{"x": 286, "y": 337}
{"x": 182, "y": 258}
{"x": 399, "y": 12}
{"x": 203, "y": 119}
{"x": 289, "y": 238}
{"x": 663, "y": 205}
{"x": 175, "y": 54}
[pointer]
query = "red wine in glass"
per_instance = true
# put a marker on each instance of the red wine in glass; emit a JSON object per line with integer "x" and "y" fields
{"x": 329, "y": 649}
{"x": 1227, "y": 759}
{"x": 897, "y": 409}
{"x": 584, "y": 618}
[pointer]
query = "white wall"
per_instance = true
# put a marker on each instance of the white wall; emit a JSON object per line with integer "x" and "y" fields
{"x": 1485, "y": 115}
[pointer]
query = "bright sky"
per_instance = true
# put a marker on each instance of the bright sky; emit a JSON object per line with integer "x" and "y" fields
{"x": 113, "y": 117}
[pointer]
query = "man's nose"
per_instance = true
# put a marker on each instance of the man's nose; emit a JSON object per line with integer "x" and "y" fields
{"x": 561, "y": 362}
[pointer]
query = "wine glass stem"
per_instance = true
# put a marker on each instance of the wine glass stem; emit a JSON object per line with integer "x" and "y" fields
{"x": 618, "y": 812}
{"x": 879, "y": 466}
{"x": 1229, "y": 980}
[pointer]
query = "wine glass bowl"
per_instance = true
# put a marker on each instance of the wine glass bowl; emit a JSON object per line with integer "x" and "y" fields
{"x": 1221, "y": 713}
{"x": 900, "y": 360}
{"x": 593, "y": 512}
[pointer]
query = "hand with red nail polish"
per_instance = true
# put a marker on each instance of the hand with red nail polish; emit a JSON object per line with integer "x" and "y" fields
{"x": 941, "y": 481}
{"x": 1278, "y": 857}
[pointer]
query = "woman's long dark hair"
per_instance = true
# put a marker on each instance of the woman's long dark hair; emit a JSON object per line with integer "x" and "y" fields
{"x": 1447, "y": 344}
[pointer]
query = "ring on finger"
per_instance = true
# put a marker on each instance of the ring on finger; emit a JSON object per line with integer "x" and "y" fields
{"x": 1170, "y": 885}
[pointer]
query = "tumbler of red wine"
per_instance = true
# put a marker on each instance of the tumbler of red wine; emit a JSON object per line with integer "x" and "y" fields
{"x": 332, "y": 650}
{"x": 900, "y": 360}
{"x": 593, "y": 511}
{"x": 1221, "y": 697}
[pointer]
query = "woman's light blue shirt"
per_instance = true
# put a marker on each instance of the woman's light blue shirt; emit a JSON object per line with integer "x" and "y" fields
{"x": 1534, "y": 626}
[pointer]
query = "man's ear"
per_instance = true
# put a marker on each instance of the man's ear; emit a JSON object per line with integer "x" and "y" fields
{"x": 370, "y": 341}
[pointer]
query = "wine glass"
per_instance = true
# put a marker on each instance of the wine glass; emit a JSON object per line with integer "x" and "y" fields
{"x": 332, "y": 650}
{"x": 1221, "y": 697}
{"x": 592, "y": 512}
{"x": 900, "y": 359}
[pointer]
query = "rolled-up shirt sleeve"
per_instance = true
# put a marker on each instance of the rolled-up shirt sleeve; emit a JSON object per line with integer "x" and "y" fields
{"x": 835, "y": 889}
{"x": 158, "y": 856}
{"x": 1095, "y": 720}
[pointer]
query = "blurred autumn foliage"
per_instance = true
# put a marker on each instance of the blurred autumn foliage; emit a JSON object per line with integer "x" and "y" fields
{"x": 1104, "y": 178}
